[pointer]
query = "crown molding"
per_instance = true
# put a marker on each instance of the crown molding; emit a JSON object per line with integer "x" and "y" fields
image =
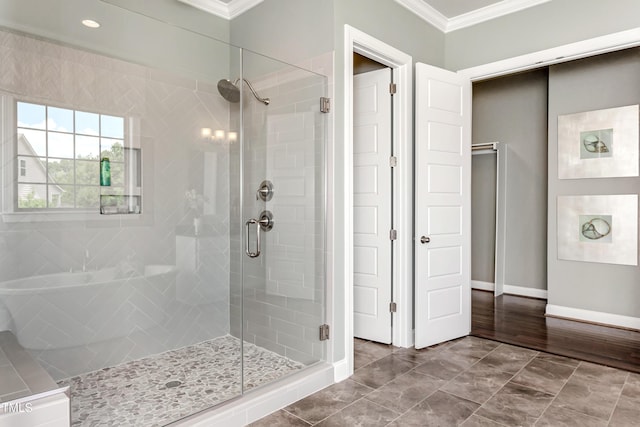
{"x": 223, "y": 10}
{"x": 444, "y": 24}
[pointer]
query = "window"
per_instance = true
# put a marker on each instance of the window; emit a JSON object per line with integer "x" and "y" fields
{"x": 61, "y": 150}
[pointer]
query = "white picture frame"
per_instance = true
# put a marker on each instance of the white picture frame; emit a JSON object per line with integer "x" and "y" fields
{"x": 599, "y": 144}
{"x": 602, "y": 229}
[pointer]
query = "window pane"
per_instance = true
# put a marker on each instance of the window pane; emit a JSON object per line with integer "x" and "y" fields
{"x": 117, "y": 174}
{"x": 87, "y": 123}
{"x": 60, "y": 171}
{"x": 60, "y": 119}
{"x": 87, "y": 147}
{"x": 67, "y": 195}
{"x": 60, "y": 145}
{"x": 112, "y": 148}
{"x": 87, "y": 172}
{"x": 112, "y": 127}
{"x": 87, "y": 197}
{"x": 31, "y": 115}
{"x": 32, "y": 196}
{"x": 32, "y": 142}
{"x": 55, "y": 197}
{"x": 32, "y": 169}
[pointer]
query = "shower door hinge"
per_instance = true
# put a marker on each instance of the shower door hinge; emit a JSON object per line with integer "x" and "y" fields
{"x": 392, "y": 88}
{"x": 393, "y": 161}
{"x": 393, "y": 307}
{"x": 324, "y": 332}
{"x": 325, "y": 104}
{"x": 393, "y": 234}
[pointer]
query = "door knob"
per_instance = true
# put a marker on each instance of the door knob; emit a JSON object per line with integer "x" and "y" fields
{"x": 425, "y": 240}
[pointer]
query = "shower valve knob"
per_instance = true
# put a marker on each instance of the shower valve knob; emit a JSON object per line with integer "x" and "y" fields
{"x": 265, "y": 191}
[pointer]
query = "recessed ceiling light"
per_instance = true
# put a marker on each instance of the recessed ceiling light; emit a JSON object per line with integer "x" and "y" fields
{"x": 90, "y": 23}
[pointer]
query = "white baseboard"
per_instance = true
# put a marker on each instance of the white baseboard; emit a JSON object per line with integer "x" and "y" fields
{"x": 525, "y": 292}
{"x": 483, "y": 286}
{"x": 511, "y": 289}
{"x": 593, "y": 316}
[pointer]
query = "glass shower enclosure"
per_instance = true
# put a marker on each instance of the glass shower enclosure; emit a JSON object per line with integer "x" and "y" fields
{"x": 196, "y": 273}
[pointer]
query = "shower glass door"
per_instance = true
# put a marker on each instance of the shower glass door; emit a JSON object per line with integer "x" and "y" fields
{"x": 282, "y": 221}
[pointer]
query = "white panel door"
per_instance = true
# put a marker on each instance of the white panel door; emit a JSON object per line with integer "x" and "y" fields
{"x": 372, "y": 205}
{"x": 442, "y": 206}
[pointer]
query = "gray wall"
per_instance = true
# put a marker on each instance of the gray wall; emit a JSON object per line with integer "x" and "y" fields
{"x": 483, "y": 219}
{"x": 289, "y": 30}
{"x": 551, "y": 24}
{"x": 591, "y": 84}
{"x": 513, "y": 110}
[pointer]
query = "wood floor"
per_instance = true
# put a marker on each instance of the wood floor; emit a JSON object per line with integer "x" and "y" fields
{"x": 521, "y": 321}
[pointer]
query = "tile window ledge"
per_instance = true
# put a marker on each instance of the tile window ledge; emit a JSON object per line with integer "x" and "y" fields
{"x": 49, "y": 216}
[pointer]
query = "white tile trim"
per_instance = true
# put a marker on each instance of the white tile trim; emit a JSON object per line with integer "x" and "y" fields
{"x": 224, "y": 10}
{"x": 593, "y": 316}
{"x": 259, "y": 403}
{"x": 444, "y": 24}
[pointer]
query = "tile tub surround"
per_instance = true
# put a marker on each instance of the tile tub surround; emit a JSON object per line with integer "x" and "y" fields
{"x": 20, "y": 375}
{"x": 139, "y": 392}
{"x": 468, "y": 382}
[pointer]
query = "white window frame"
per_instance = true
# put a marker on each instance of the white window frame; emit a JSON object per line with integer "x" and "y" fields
{"x": 9, "y": 174}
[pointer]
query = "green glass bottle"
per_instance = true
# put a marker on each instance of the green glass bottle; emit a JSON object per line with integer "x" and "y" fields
{"x": 105, "y": 172}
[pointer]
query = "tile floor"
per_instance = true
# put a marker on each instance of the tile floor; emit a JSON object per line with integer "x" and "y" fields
{"x": 469, "y": 382}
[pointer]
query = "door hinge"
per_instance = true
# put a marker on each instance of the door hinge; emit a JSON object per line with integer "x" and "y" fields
{"x": 392, "y": 88}
{"x": 324, "y": 332}
{"x": 325, "y": 104}
{"x": 393, "y": 161}
{"x": 393, "y": 234}
{"x": 393, "y": 307}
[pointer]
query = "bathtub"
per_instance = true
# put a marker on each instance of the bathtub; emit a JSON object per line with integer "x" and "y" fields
{"x": 62, "y": 310}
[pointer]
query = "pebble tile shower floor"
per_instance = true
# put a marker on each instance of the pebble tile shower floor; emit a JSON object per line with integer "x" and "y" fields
{"x": 163, "y": 388}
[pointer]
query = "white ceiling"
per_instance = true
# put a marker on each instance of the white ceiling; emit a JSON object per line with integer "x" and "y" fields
{"x": 446, "y": 15}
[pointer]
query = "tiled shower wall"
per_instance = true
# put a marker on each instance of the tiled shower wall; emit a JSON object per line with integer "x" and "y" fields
{"x": 284, "y": 288}
{"x": 172, "y": 110}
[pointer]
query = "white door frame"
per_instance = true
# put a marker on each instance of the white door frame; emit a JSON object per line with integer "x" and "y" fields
{"x": 357, "y": 41}
{"x": 402, "y": 65}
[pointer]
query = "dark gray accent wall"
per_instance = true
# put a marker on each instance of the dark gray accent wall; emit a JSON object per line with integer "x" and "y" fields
{"x": 513, "y": 110}
{"x": 483, "y": 220}
{"x": 605, "y": 81}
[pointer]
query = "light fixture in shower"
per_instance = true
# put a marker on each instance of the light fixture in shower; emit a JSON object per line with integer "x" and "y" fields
{"x": 90, "y": 23}
{"x": 218, "y": 136}
{"x": 231, "y": 92}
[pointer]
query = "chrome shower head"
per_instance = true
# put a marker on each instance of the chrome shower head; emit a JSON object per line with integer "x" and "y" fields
{"x": 231, "y": 92}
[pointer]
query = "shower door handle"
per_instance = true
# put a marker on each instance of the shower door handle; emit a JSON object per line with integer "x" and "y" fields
{"x": 264, "y": 223}
{"x": 247, "y": 248}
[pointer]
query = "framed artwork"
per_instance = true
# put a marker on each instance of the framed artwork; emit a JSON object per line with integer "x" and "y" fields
{"x": 599, "y": 144}
{"x": 598, "y": 228}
